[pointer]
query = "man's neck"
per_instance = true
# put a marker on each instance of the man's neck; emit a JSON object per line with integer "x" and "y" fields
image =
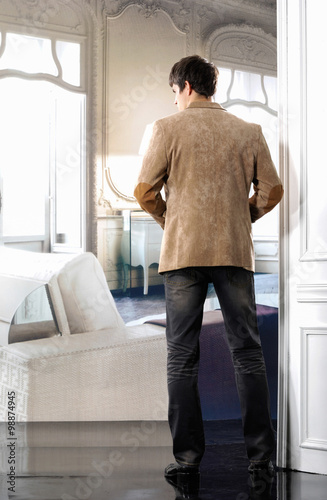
{"x": 195, "y": 97}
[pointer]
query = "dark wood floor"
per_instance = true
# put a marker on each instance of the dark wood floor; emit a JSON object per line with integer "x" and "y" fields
{"x": 134, "y": 469}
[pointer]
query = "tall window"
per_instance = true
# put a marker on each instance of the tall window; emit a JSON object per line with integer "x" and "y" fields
{"x": 253, "y": 97}
{"x": 42, "y": 153}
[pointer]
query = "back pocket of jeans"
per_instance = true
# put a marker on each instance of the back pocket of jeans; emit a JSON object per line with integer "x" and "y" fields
{"x": 180, "y": 277}
{"x": 239, "y": 277}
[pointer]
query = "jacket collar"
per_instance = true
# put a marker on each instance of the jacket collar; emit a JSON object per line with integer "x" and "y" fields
{"x": 205, "y": 104}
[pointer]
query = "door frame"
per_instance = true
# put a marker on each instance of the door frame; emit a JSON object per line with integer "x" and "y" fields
{"x": 283, "y": 326}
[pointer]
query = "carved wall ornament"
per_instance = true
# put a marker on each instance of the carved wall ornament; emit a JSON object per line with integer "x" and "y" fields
{"x": 50, "y": 14}
{"x": 243, "y": 47}
{"x": 205, "y": 16}
{"x": 267, "y": 5}
{"x": 179, "y": 12}
{"x": 102, "y": 201}
{"x": 149, "y": 9}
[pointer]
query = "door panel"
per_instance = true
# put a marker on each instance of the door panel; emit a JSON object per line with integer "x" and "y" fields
{"x": 303, "y": 309}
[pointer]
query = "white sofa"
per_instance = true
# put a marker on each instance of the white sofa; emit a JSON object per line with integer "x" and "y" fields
{"x": 96, "y": 369}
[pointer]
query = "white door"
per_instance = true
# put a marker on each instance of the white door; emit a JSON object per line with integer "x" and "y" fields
{"x": 302, "y": 429}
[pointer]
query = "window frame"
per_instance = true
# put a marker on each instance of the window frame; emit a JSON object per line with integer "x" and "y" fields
{"x": 49, "y": 241}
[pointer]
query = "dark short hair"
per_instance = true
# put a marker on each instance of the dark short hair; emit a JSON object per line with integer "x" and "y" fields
{"x": 201, "y": 74}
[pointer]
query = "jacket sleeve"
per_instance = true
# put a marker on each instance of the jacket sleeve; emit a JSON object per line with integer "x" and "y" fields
{"x": 268, "y": 189}
{"x": 152, "y": 177}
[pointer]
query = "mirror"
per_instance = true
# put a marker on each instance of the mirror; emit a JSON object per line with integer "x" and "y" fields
{"x": 137, "y": 89}
{"x": 34, "y": 318}
{"x": 143, "y": 42}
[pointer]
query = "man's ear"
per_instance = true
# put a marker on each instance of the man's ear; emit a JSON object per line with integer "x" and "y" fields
{"x": 188, "y": 88}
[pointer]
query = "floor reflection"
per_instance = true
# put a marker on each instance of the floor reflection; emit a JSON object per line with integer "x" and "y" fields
{"x": 109, "y": 470}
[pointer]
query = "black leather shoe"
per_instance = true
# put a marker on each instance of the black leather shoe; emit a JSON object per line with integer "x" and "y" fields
{"x": 264, "y": 470}
{"x": 261, "y": 479}
{"x": 186, "y": 486}
{"x": 177, "y": 469}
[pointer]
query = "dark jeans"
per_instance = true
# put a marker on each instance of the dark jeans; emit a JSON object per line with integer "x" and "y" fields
{"x": 186, "y": 291}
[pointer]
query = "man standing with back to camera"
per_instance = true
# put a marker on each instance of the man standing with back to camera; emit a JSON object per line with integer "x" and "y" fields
{"x": 207, "y": 159}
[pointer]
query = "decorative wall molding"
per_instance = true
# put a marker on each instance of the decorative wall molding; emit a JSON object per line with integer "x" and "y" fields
{"x": 266, "y": 249}
{"x": 311, "y": 255}
{"x": 94, "y": 132}
{"x": 312, "y": 442}
{"x": 204, "y": 15}
{"x": 305, "y": 254}
{"x": 312, "y": 248}
{"x": 243, "y": 46}
{"x": 267, "y": 5}
{"x": 311, "y": 293}
{"x": 62, "y": 15}
{"x": 179, "y": 12}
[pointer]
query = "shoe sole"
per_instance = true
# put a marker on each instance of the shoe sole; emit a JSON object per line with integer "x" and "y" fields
{"x": 182, "y": 472}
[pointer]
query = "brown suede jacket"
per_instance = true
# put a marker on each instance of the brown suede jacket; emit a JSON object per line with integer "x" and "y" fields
{"x": 207, "y": 159}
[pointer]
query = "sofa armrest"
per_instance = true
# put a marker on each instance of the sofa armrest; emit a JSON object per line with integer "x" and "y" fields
{"x": 110, "y": 375}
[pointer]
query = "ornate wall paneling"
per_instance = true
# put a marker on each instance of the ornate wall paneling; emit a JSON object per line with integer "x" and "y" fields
{"x": 313, "y": 432}
{"x": 212, "y": 15}
{"x": 312, "y": 193}
{"x": 243, "y": 47}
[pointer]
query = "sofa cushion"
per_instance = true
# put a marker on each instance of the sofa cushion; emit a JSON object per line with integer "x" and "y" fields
{"x": 88, "y": 303}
